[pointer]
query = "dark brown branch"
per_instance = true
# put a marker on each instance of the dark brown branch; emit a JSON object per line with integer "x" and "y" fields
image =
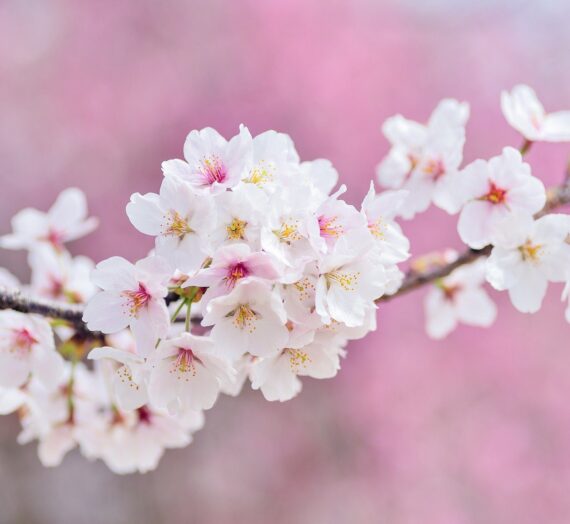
{"x": 73, "y": 314}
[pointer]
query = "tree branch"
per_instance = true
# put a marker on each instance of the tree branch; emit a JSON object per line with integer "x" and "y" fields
{"x": 73, "y": 313}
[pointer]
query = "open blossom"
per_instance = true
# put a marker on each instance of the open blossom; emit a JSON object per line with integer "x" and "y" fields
{"x": 27, "y": 348}
{"x": 487, "y": 192}
{"x": 179, "y": 218}
{"x": 251, "y": 319}
{"x": 65, "y": 221}
{"x": 212, "y": 163}
{"x": 349, "y": 282}
{"x": 134, "y": 441}
{"x": 129, "y": 376}
{"x": 232, "y": 264}
{"x": 277, "y": 376}
{"x": 525, "y": 113}
{"x": 58, "y": 276}
{"x": 459, "y": 298}
{"x": 527, "y": 254}
{"x": 422, "y": 156}
{"x": 187, "y": 374}
{"x": 132, "y": 295}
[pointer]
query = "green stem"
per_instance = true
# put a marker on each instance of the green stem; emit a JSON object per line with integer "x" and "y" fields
{"x": 187, "y": 324}
{"x": 525, "y": 147}
{"x": 178, "y": 310}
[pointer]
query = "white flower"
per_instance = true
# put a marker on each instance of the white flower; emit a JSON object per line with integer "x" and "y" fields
{"x": 487, "y": 192}
{"x": 179, "y": 218}
{"x": 27, "y": 347}
{"x": 133, "y": 295}
{"x": 58, "y": 276}
{"x": 525, "y": 113}
{"x": 527, "y": 255}
{"x": 187, "y": 374}
{"x": 134, "y": 441}
{"x": 380, "y": 211}
{"x": 459, "y": 298}
{"x": 212, "y": 163}
{"x": 277, "y": 376}
{"x": 333, "y": 220}
{"x": 350, "y": 280}
{"x": 423, "y": 156}
{"x": 232, "y": 264}
{"x": 65, "y": 221}
{"x": 251, "y": 319}
{"x": 129, "y": 376}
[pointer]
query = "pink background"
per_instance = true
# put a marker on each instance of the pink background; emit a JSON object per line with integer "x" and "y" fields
{"x": 475, "y": 429}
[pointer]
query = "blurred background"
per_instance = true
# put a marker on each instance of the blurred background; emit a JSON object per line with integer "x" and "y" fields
{"x": 474, "y": 429}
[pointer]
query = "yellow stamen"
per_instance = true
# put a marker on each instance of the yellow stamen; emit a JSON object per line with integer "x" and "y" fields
{"x": 236, "y": 229}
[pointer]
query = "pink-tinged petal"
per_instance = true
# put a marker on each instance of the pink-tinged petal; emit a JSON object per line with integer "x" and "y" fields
{"x": 528, "y": 195}
{"x": 275, "y": 378}
{"x": 473, "y": 224}
{"x": 47, "y": 366}
{"x": 151, "y": 323}
{"x": 128, "y": 393}
{"x": 556, "y": 127}
{"x": 114, "y": 273}
{"x": 70, "y": 207}
{"x": 441, "y": 318}
{"x": 53, "y": 446}
{"x": 262, "y": 266}
{"x": 145, "y": 213}
{"x": 107, "y": 312}
{"x": 11, "y": 400}
{"x": 321, "y": 173}
{"x": 403, "y": 132}
{"x": 14, "y": 371}
{"x": 528, "y": 293}
{"x": 475, "y": 307}
{"x": 176, "y": 168}
{"x": 118, "y": 355}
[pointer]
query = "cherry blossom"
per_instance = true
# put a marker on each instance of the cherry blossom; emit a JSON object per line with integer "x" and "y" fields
{"x": 132, "y": 295}
{"x": 251, "y": 319}
{"x": 213, "y": 164}
{"x": 187, "y": 373}
{"x": 27, "y": 347}
{"x": 232, "y": 264}
{"x": 525, "y": 113}
{"x": 277, "y": 376}
{"x": 527, "y": 255}
{"x": 179, "y": 218}
{"x": 65, "y": 221}
{"x": 459, "y": 298}
{"x": 487, "y": 192}
{"x": 422, "y": 156}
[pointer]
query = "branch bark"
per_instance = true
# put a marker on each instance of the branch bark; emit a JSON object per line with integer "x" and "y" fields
{"x": 73, "y": 314}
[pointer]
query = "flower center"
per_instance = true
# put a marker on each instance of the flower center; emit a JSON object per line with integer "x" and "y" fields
{"x": 377, "y": 228}
{"x": 530, "y": 252}
{"x": 434, "y": 168}
{"x": 235, "y": 273}
{"x": 329, "y": 227}
{"x": 495, "y": 195}
{"x": 145, "y": 416}
{"x": 260, "y": 174}
{"x": 236, "y": 229}
{"x": 55, "y": 238}
{"x": 297, "y": 359}
{"x": 244, "y": 318}
{"x": 213, "y": 170}
{"x": 23, "y": 341}
{"x": 288, "y": 233}
{"x": 348, "y": 280}
{"x": 176, "y": 225}
{"x": 137, "y": 299}
{"x": 185, "y": 363}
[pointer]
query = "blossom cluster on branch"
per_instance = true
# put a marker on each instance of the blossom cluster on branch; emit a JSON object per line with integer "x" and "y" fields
{"x": 260, "y": 273}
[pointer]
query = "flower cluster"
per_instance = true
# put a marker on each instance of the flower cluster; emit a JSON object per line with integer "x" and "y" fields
{"x": 498, "y": 201}
{"x": 261, "y": 273}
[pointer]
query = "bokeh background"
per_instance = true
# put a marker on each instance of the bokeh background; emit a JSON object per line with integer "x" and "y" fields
{"x": 474, "y": 429}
